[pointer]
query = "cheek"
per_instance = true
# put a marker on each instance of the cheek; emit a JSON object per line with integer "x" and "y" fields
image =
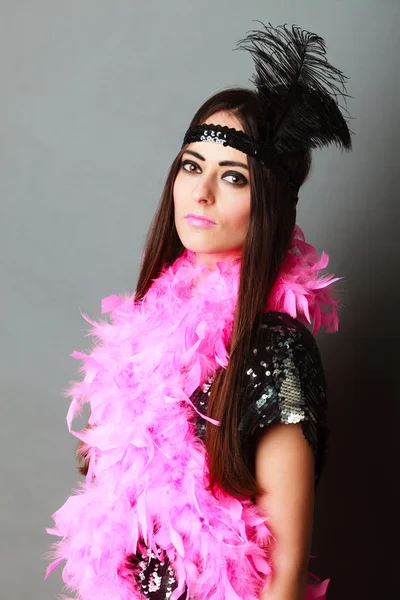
{"x": 175, "y": 193}
{"x": 179, "y": 192}
{"x": 239, "y": 215}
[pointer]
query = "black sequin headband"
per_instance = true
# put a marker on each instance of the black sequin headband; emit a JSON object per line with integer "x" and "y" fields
{"x": 228, "y": 136}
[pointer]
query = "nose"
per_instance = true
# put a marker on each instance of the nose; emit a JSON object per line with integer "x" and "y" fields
{"x": 204, "y": 189}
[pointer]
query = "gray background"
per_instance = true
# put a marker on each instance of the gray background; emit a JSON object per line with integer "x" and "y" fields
{"x": 95, "y": 98}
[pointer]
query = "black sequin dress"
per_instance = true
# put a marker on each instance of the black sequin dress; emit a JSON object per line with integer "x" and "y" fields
{"x": 285, "y": 382}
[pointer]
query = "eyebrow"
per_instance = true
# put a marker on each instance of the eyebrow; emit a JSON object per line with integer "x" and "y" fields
{"x": 223, "y": 163}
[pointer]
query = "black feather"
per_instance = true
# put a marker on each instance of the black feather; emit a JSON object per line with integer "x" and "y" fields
{"x": 298, "y": 89}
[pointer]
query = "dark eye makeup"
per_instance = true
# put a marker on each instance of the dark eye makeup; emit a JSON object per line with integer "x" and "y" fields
{"x": 241, "y": 178}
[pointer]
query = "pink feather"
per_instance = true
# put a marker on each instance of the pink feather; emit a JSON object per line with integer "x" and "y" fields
{"x": 148, "y": 469}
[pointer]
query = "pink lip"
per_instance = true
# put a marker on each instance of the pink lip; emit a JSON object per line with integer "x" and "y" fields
{"x": 199, "y": 220}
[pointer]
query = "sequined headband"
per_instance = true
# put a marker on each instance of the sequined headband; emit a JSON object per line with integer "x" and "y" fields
{"x": 228, "y": 136}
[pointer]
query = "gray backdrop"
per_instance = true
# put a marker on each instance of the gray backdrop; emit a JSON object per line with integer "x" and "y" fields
{"x": 95, "y": 98}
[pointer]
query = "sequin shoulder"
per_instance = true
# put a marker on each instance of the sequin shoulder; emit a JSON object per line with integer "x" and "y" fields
{"x": 284, "y": 382}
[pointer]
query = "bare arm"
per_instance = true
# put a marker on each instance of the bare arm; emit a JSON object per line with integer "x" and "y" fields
{"x": 285, "y": 470}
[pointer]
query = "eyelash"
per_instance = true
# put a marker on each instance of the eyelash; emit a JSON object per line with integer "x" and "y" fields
{"x": 230, "y": 173}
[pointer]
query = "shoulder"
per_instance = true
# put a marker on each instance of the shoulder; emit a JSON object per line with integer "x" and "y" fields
{"x": 284, "y": 381}
{"x": 285, "y": 358}
{"x": 283, "y": 334}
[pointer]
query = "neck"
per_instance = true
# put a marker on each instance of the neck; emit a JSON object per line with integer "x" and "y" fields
{"x": 210, "y": 259}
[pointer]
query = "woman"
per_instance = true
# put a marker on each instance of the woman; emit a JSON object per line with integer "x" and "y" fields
{"x": 208, "y": 429}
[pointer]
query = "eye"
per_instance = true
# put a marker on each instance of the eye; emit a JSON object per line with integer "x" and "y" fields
{"x": 239, "y": 179}
{"x": 189, "y": 163}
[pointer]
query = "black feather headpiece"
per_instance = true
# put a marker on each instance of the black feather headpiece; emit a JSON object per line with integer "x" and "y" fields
{"x": 299, "y": 94}
{"x": 298, "y": 88}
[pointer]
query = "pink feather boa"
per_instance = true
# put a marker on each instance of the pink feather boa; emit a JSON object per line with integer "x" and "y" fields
{"x": 147, "y": 472}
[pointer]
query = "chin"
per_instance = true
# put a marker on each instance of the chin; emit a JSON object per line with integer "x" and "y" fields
{"x": 206, "y": 242}
{"x": 201, "y": 248}
{"x": 197, "y": 243}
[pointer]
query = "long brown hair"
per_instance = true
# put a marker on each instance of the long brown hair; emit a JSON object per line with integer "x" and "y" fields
{"x": 272, "y": 219}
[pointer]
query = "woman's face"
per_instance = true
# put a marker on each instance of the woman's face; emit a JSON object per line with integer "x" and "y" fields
{"x": 213, "y": 182}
